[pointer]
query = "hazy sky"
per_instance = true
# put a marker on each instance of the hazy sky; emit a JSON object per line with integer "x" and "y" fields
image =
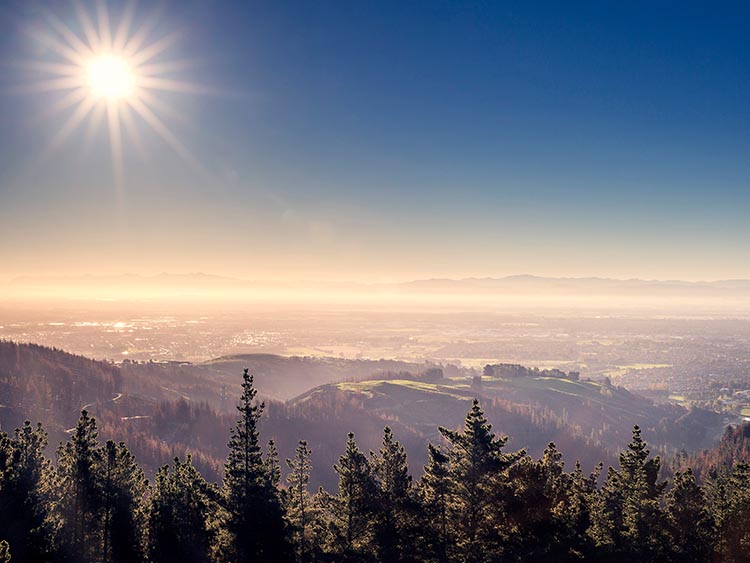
{"x": 394, "y": 140}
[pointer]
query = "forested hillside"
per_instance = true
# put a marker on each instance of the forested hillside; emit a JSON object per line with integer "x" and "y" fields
{"x": 166, "y": 410}
{"x": 415, "y": 410}
{"x": 50, "y": 385}
{"x": 584, "y": 417}
{"x": 733, "y": 448}
{"x": 475, "y": 501}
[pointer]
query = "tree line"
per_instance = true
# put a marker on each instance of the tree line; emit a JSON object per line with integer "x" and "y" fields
{"x": 475, "y": 502}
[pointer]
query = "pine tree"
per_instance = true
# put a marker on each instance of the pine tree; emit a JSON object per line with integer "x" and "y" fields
{"x": 690, "y": 522}
{"x": 24, "y": 487}
{"x": 394, "y": 507}
{"x": 123, "y": 487}
{"x": 577, "y": 512}
{"x": 181, "y": 506}
{"x": 273, "y": 469}
{"x": 536, "y": 507}
{"x": 643, "y": 517}
{"x": 478, "y": 486}
{"x": 733, "y": 513}
{"x": 255, "y": 519}
{"x": 298, "y": 498}
{"x": 323, "y": 541}
{"x": 434, "y": 490}
{"x": 80, "y": 502}
{"x": 628, "y": 520}
{"x": 606, "y": 514}
{"x": 351, "y": 510}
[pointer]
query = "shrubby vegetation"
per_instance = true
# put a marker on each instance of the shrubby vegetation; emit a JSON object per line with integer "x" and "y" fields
{"x": 516, "y": 370}
{"x": 476, "y": 502}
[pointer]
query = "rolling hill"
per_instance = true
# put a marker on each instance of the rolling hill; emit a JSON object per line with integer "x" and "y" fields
{"x": 163, "y": 410}
{"x": 601, "y": 413}
{"x": 276, "y": 377}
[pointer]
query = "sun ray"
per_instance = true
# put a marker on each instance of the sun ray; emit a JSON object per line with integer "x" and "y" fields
{"x": 131, "y": 130}
{"x": 65, "y": 32}
{"x": 50, "y": 85}
{"x": 153, "y": 101}
{"x": 97, "y": 116}
{"x": 104, "y": 30}
{"x": 155, "y": 69}
{"x": 70, "y": 99}
{"x": 162, "y": 130}
{"x": 133, "y": 44}
{"x": 171, "y": 85}
{"x": 123, "y": 29}
{"x": 89, "y": 30}
{"x": 60, "y": 69}
{"x": 146, "y": 54}
{"x": 115, "y": 142}
{"x": 58, "y": 46}
{"x": 72, "y": 123}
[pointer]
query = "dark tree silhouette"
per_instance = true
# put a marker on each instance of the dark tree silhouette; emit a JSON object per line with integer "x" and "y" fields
{"x": 474, "y": 503}
{"x": 298, "y": 498}
{"x": 182, "y": 509}
{"x": 24, "y": 494}
{"x": 254, "y": 514}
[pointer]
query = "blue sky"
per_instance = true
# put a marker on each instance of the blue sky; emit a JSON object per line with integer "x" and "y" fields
{"x": 391, "y": 140}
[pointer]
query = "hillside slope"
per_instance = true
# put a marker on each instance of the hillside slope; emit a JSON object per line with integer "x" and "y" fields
{"x": 601, "y": 413}
{"x": 276, "y": 377}
{"x": 48, "y": 385}
{"x": 163, "y": 410}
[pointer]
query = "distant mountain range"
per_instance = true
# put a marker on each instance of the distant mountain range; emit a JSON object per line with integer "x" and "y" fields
{"x": 516, "y": 284}
{"x": 538, "y": 284}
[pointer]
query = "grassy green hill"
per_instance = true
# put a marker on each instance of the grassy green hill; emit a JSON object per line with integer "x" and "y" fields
{"x": 602, "y": 413}
{"x": 415, "y": 409}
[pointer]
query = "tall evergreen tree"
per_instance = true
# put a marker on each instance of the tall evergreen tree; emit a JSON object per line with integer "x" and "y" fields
{"x": 123, "y": 488}
{"x": 607, "y": 511}
{"x": 628, "y": 522}
{"x": 434, "y": 490}
{"x": 323, "y": 541}
{"x": 643, "y": 516}
{"x": 690, "y": 522}
{"x": 298, "y": 499}
{"x": 273, "y": 469}
{"x": 182, "y": 505}
{"x": 478, "y": 464}
{"x": 80, "y": 501}
{"x": 255, "y": 519}
{"x": 536, "y": 505}
{"x": 24, "y": 484}
{"x": 733, "y": 514}
{"x": 577, "y": 511}
{"x": 351, "y": 510}
{"x": 394, "y": 507}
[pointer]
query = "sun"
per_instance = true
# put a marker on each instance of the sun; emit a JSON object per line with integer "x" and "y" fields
{"x": 108, "y": 73}
{"x": 110, "y": 77}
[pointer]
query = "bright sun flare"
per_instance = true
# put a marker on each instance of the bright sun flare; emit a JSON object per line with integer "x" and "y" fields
{"x": 108, "y": 73}
{"x": 110, "y": 77}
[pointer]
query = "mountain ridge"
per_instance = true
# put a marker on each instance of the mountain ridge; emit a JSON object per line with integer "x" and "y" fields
{"x": 167, "y": 277}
